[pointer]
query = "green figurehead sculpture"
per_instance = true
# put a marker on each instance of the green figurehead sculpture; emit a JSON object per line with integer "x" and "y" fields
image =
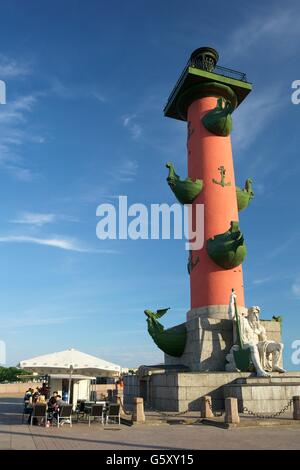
{"x": 171, "y": 341}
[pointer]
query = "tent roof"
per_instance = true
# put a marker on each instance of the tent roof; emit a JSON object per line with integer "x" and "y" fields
{"x": 73, "y": 376}
{"x": 78, "y": 361}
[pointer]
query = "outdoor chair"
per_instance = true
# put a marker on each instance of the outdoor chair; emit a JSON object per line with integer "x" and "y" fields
{"x": 97, "y": 412}
{"x": 39, "y": 411}
{"x": 65, "y": 415}
{"x": 80, "y": 409}
{"x": 113, "y": 413}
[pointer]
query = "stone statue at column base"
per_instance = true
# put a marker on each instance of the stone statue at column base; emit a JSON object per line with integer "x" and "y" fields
{"x": 264, "y": 354}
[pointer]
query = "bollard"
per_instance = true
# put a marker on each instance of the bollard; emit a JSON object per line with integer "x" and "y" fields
{"x": 231, "y": 411}
{"x": 206, "y": 407}
{"x": 296, "y": 407}
{"x": 138, "y": 414}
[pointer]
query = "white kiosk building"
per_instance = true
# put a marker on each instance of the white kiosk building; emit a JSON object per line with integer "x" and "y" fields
{"x": 71, "y": 372}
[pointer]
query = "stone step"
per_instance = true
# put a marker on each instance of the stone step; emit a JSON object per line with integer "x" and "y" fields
{"x": 280, "y": 378}
{"x": 263, "y": 397}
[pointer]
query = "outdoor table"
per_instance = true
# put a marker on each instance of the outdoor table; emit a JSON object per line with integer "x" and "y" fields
{"x": 88, "y": 405}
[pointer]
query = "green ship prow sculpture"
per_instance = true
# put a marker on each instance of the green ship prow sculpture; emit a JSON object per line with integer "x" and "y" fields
{"x": 172, "y": 340}
{"x": 244, "y": 196}
{"x": 186, "y": 190}
{"x": 218, "y": 121}
{"x": 228, "y": 250}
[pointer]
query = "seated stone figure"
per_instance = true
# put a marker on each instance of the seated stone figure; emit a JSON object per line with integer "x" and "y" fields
{"x": 269, "y": 351}
{"x": 265, "y": 354}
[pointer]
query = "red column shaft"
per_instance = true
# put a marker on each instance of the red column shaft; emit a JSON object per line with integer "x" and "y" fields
{"x": 210, "y": 284}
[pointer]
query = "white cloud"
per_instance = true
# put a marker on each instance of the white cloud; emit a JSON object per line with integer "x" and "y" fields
{"x": 284, "y": 246}
{"x": 263, "y": 280}
{"x": 126, "y": 171}
{"x": 266, "y": 28}
{"x": 10, "y": 68}
{"x": 62, "y": 91}
{"x": 39, "y": 219}
{"x": 127, "y": 120}
{"x": 13, "y": 117}
{"x": 34, "y": 219}
{"x": 251, "y": 120}
{"x": 99, "y": 96}
{"x": 22, "y": 174}
{"x": 296, "y": 288}
{"x": 58, "y": 88}
{"x": 35, "y": 320}
{"x": 14, "y": 111}
{"x": 62, "y": 243}
{"x": 134, "y": 128}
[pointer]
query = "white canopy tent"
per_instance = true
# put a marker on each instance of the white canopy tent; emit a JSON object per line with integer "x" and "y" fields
{"x": 71, "y": 362}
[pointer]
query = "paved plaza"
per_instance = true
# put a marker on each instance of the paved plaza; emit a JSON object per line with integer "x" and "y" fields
{"x": 17, "y": 436}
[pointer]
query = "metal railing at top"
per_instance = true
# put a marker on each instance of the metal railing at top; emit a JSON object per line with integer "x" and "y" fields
{"x": 224, "y": 71}
{"x": 230, "y": 73}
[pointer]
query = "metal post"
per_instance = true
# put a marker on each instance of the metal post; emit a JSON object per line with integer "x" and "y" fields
{"x": 70, "y": 380}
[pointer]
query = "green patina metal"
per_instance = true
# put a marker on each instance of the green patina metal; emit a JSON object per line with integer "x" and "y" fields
{"x": 215, "y": 84}
{"x": 244, "y": 196}
{"x": 201, "y": 90}
{"x": 279, "y": 319}
{"x": 222, "y": 182}
{"x": 228, "y": 250}
{"x": 242, "y": 359}
{"x": 171, "y": 341}
{"x": 185, "y": 191}
{"x": 191, "y": 264}
{"x": 218, "y": 121}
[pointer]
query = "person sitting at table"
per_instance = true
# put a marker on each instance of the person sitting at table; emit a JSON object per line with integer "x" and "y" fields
{"x": 28, "y": 395}
{"x": 51, "y": 405}
{"x": 52, "y": 401}
{"x": 28, "y": 403}
{"x": 36, "y": 394}
{"x": 58, "y": 404}
{"x": 44, "y": 389}
{"x": 41, "y": 399}
{"x": 60, "y": 401}
{"x": 38, "y": 400}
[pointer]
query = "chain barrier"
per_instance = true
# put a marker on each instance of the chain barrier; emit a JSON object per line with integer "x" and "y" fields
{"x": 215, "y": 413}
{"x": 166, "y": 414}
{"x": 180, "y": 413}
{"x": 269, "y": 416}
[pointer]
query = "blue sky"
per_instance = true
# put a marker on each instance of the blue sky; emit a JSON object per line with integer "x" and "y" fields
{"x": 86, "y": 85}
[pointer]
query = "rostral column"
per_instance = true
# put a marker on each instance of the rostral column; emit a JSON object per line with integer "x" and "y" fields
{"x": 205, "y": 97}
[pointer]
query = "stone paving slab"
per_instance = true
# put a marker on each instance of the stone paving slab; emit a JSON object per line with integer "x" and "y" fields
{"x": 17, "y": 436}
{"x": 142, "y": 437}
